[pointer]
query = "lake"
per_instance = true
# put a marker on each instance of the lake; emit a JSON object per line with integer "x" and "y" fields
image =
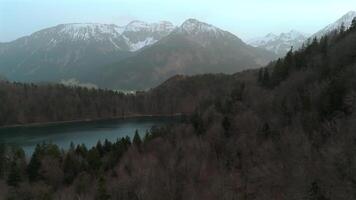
{"x": 88, "y": 133}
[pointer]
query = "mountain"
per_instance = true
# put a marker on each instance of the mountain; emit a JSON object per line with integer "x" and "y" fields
{"x": 280, "y": 44}
{"x": 76, "y": 50}
{"x": 138, "y": 34}
{"x": 193, "y": 48}
{"x": 345, "y": 21}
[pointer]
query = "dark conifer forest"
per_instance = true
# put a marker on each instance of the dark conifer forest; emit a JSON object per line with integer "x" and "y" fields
{"x": 286, "y": 131}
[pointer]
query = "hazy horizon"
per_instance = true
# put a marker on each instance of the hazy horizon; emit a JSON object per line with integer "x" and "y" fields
{"x": 22, "y": 17}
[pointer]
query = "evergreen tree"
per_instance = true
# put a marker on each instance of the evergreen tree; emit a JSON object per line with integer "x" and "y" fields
{"x": 342, "y": 28}
{"x": 2, "y": 160}
{"x": 93, "y": 159}
{"x": 14, "y": 177}
{"x": 260, "y": 76}
{"x": 34, "y": 165}
{"x": 226, "y": 125}
{"x": 315, "y": 193}
{"x": 353, "y": 24}
{"x": 265, "y": 79}
{"x": 100, "y": 148}
{"x": 101, "y": 193}
{"x": 137, "y": 139}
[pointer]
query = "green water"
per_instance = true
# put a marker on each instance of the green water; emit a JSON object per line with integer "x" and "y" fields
{"x": 88, "y": 133}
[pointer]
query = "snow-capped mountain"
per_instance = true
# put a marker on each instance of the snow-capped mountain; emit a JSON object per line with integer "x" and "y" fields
{"x": 201, "y": 32}
{"x": 280, "y": 44}
{"x": 345, "y": 21}
{"x": 195, "y": 27}
{"x": 135, "y": 56}
{"x": 84, "y": 31}
{"x": 138, "y": 34}
{"x": 132, "y": 37}
{"x": 75, "y": 50}
{"x": 194, "y": 47}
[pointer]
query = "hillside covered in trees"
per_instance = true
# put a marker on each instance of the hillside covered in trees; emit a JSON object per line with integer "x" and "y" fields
{"x": 22, "y": 103}
{"x": 284, "y": 132}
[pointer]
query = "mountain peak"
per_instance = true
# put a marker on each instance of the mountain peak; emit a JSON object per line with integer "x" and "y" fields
{"x": 162, "y": 26}
{"x": 81, "y": 31}
{"x": 345, "y": 20}
{"x": 137, "y": 25}
{"x": 280, "y": 44}
{"x": 350, "y": 13}
{"x": 194, "y": 26}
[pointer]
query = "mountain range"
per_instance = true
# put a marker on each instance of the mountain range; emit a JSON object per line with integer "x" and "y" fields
{"x": 75, "y": 50}
{"x": 141, "y": 55}
{"x": 282, "y": 43}
{"x": 193, "y": 48}
{"x": 136, "y": 56}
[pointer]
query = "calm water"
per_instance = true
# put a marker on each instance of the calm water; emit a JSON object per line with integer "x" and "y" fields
{"x": 88, "y": 133}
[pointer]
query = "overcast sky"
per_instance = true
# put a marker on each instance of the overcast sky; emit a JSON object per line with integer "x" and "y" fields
{"x": 245, "y": 18}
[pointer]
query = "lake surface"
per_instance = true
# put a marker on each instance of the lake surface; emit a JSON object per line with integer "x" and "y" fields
{"x": 88, "y": 133}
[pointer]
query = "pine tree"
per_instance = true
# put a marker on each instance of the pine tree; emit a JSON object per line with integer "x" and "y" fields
{"x": 226, "y": 125}
{"x": 265, "y": 79}
{"x": 34, "y": 165}
{"x": 137, "y": 139}
{"x": 101, "y": 193}
{"x": 93, "y": 159}
{"x": 342, "y": 28}
{"x": 2, "y": 160}
{"x": 14, "y": 177}
{"x": 315, "y": 193}
{"x": 353, "y": 24}
{"x": 260, "y": 76}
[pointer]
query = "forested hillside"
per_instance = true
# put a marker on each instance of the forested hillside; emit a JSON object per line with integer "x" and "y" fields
{"x": 28, "y": 103}
{"x": 284, "y": 132}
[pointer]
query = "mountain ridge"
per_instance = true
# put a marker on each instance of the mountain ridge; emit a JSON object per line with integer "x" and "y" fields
{"x": 194, "y": 47}
{"x": 74, "y": 50}
{"x": 280, "y": 44}
{"x": 345, "y": 22}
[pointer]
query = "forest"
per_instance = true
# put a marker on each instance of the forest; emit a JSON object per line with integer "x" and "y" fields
{"x": 23, "y": 103}
{"x": 286, "y": 131}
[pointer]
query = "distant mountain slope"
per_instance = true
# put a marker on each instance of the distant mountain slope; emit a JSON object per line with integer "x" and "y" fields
{"x": 193, "y": 48}
{"x": 75, "y": 51}
{"x": 280, "y": 44}
{"x": 345, "y": 21}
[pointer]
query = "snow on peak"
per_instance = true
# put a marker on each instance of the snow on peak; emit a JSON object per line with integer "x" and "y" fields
{"x": 135, "y": 46}
{"x": 132, "y": 37}
{"x": 164, "y": 26}
{"x": 350, "y": 14}
{"x": 345, "y": 20}
{"x": 140, "y": 34}
{"x": 280, "y": 44}
{"x": 193, "y": 26}
{"x": 136, "y": 26}
{"x": 89, "y": 30}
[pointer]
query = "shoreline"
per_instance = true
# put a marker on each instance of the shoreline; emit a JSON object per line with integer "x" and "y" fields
{"x": 90, "y": 120}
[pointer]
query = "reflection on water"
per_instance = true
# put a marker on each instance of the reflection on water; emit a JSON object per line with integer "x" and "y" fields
{"x": 88, "y": 133}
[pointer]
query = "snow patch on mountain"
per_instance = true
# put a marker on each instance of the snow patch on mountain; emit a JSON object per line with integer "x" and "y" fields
{"x": 72, "y": 82}
{"x": 132, "y": 37}
{"x": 136, "y": 26}
{"x": 135, "y": 46}
{"x": 345, "y": 20}
{"x": 194, "y": 27}
{"x": 87, "y": 31}
{"x": 280, "y": 44}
